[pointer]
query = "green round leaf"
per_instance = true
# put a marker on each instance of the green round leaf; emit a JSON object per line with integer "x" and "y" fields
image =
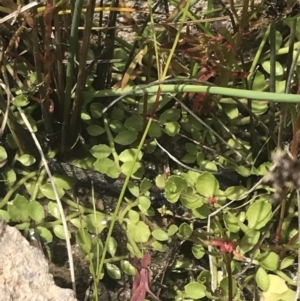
{"x": 134, "y": 123}
{"x": 45, "y": 234}
{"x": 95, "y": 130}
{"x": 129, "y": 154}
{"x": 145, "y": 185}
{"x": 101, "y": 151}
{"x": 102, "y": 165}
{"x": 195, "y": 290}
{"x": 96, "y": 223}
{"x": 54, "y": 210}
{"x": 113, "y": 271}
{"x": 172, "y": 128}
{"x": 9, "y": 176}
{"x": 231, "y": 222}
{"x": 207, "y": 185}
{"x": 286, "y": 262}
{"x": 47, "y": 191}
{"x": 36, "y": 211}
{"x": 112, "y": 246}
{"x": 64, "y": 182}
{"x": 278, "y": 67}
{"x": 262, "y": 279}
{"x": 154, "y": 131}
{"x": 157, "y": 246}
{"x": 184, "y": 231}
{"x": 224, "y": 287}
{"x": 139, "y": 232}
{"x": 126, "y": 167}
{"x": 249, "y": 240}
{"x": 160, "y": 235}
{"x": 21, "y": 101}
{"x": 125, "y": 137}
{"x": 198, "y": 251}
{"x": 128, "y": 268}
{"x": 144, "y": 203}
{"x": 235, "y": 193}
{"x": 26, "y": 160}
{"x": 259, "y": 214}
{"x": 169, "y": 115}
{"x": 19, "y": 210}
{"x": 96, "y": 109}
{"x": 133, "y": 216}
{"x": 269, "y": 261}
{"x": 59, "y": 232}
{"x": 4, "y": 215}
{"x": 172, "y": 230}
{"x": 3, "y": 154}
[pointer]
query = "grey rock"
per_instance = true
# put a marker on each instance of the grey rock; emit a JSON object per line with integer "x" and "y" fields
{"x": 24, "y": 274}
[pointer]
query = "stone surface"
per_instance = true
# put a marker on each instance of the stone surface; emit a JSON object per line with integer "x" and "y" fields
{"x": 24, "y": 272}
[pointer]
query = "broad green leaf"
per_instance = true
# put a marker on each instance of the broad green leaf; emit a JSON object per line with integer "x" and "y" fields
{"x": 236, "y": 193}
{"x": 157, "y": 246}
{"x": 45, "y": 234}
{"x": 112, "y": 246}
{"x": 47, "y": 191}
{"x": 134, "y": 123}
{"x": 83, "y": 239}
{"x": 129, "y": 154}
{"x": 231, "y": 222}
{"x": 133, "y": 216}
{"x": 169, "y": 116}
{"x": 184, "y": 231}
{"x": 225, "y": 287}
{"x": 286, "y": 262}
{"x": 59, "y": 232}
{"x": 278, "y": 68}
{"x": 116, "y": 126}
{"x": 102, "y": 165}
{"x": 21, "y": 101}
{"x": 145, "y": 185}
{"x": 207, "y": 185}
{"x": 96, "y": 223}
{"x": 117, "y": 114}
{"x": 3, "y": 154}
{"x": 19, "y": 210}
{"x": 195, "y": 290}
{"x": 26, "y": 160}
{"x": 198, "y": 251}
{"x": 259, "y": 214}
{"x": 154, "y": 131}
{"x": 172, "y": 128}
{"x": 160, "y": 235}
{"x": 249, "y": 241}
{"x": 262, "y": 279}
{"x": 10, "y": 176}
{"x": 63, "y": 181}
{"x": 54, "y": 210}
{"x": 126, "y": 137}
{"x": 139, "y": 232}
{"x": 144, "y": 203}
{"x": 36, "y": 211}
{"x": 269, "y": 260}
{"x": 172, "y": 230}
{"x": 113, "y": 271}
{"x": 95, "y": 130}
{"x": 128, "y": 268}
{"x": 96, "y": 109}
{"x": 4, "y": 215}
{"x": 133, "y": 188}
{"x": 126, "y": 168}
{"x": 100, "y": 151}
